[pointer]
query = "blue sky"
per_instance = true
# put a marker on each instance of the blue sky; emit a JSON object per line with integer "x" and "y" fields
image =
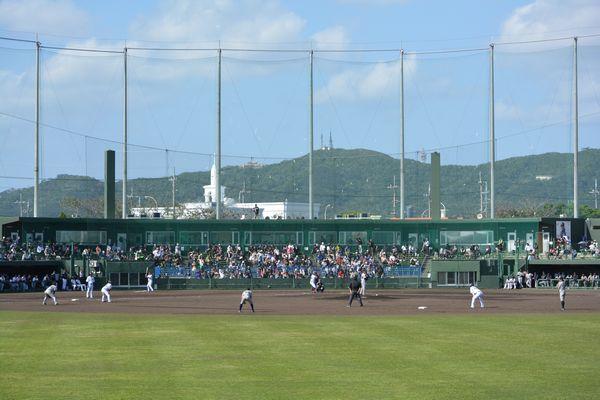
{"x": 265, "y": 95}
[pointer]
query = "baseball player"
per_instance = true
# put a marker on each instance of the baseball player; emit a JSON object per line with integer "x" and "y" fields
{"x": 354, "y": 288}
{"x": 313, "y": 282}
{"x": 106, "y": 292}
{"x": 246, "y": 297}
{"x": 561, "y": 292}
{"x": 477, "y": 295}
{"x": 49, "y": 294}
{"x": 363, "y": 282}
{"x": 89, "y": 293}
{"x": 149, "y": 287}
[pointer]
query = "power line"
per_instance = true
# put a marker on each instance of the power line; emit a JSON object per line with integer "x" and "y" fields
{"x": 297, "y": 50}
{"x": 415, "y": 152}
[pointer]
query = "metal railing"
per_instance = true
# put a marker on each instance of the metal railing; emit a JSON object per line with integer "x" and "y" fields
{"x": 569, "y": 283}
{"x": 288, "y": 283}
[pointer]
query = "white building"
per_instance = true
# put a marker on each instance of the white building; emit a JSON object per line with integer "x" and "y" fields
{"x": 281, "y": 209}
{"x": 231, "y": 209}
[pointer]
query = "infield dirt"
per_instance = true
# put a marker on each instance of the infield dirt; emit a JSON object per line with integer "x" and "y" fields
{"x": 299, "y": 302}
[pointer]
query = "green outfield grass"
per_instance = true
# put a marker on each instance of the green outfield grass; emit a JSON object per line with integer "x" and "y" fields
{"x": 93, "y": 356}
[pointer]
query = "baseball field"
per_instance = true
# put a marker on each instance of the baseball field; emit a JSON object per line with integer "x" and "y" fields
{"x": 195, "y": 345}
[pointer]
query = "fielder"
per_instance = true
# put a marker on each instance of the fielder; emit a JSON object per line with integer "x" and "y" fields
{"x": 246, "y": 297}
{"x": 561, "y": 293}
{"x": 477, "y": 295}
{"x": 313, "y": 282}
{"x": 49, "y": 294}
{"x": 149, "y": 287}
{"x": 363, "y": 282}
{"x": 89, "y": 293}
{"x": 106, "y": 292}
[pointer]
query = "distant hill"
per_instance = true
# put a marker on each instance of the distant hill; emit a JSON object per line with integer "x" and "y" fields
{"x": 354, "y": 180}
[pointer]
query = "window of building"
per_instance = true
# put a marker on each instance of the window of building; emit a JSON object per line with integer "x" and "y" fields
{"x": 224, "y": 237}
{"x": 278, "y": 238}
{"x": 160, "y": 237}
{"x": 193, "y": 238}
{"x": 349, "y": 238}
{"x": 466, "y": 238}
{"x": 453, "y": 278}
{"x": 316, "y": 237}
{"x": 82, "y": 237}
{"x": 382, "y": 237}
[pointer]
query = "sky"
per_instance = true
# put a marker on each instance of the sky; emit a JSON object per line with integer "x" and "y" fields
{"x": 172, "y": 95}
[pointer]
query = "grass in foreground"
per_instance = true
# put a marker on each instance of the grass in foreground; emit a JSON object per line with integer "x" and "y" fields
{"x": 75, "y": 356}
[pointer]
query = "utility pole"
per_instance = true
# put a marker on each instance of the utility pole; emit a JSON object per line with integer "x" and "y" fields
{"x": 393, "y": 188}
{"x": 20, "y": 202}
{"x": 243, "y": 192}
{"x": 492, "y": 138}
{"x": 218, "y": 144}
{"x": 402, "y": 134}
{"x": 483, "y": 195}
{"x": 173, "y": 180}
{"x": 575, "y": 134}
{"x": 428, "y": 195}
{"x": 166, "y": 162}
{"x": 125, "y": 210}
{"x": 310, "y": 143}
{"x": 595, "y": 192}
{"x": 36, "y": 149}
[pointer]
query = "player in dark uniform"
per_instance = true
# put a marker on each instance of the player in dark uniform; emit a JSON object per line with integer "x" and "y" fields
{"x": 354, "y": 291}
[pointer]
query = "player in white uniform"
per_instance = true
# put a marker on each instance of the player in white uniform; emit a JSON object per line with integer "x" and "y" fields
{"x": 106, "y": 291}
{"x": 89, "y": 293}
{"x": 561, "y": 293}
{"x": 49, "y": 294}
{"x": 246, "y": 298}
{"x": 313, "y": 282}
{"x": 363, "y": 283}
{"x": 477, "y": 295}
{"x": 149, "y": 287}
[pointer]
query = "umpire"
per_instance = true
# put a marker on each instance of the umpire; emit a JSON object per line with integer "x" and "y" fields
{"x": 354, "y": 291}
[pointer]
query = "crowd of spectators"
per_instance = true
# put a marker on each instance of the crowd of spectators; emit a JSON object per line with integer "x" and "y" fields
{"x": 281, "y": 262}
{"x": 526, "y": 279}
{"x": 233, "y": 261}
{"x": 33, "y": 282}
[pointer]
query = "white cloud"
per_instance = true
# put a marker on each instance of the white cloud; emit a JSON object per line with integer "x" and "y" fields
{"x": 547, "y": 66}
{"x": 243, "y": 23}
{"x": 13, "y": 87}
{"x": 335, "y": 37}
{"x": 43, "y": 16}
{"x": 366, "y": 83}
{"x": 544, "y": 19}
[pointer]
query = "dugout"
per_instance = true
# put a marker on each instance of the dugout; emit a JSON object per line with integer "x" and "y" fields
{"x": 580, "y": 266}
{"x": 38, "y": 268}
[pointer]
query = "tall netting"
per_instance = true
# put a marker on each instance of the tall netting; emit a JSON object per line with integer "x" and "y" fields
{"x": 265, "y": 120}
{"x": 80, "y": 116}
{"x": 533, "y": 112}
{"x": 589, "y": 118}
{"x": 265, "y": 124}
{"x": 171, "y": 115}
{"x": 446, "y": 108}
{"x": 357, "y": 106}
{"x": 17, "y": 114}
